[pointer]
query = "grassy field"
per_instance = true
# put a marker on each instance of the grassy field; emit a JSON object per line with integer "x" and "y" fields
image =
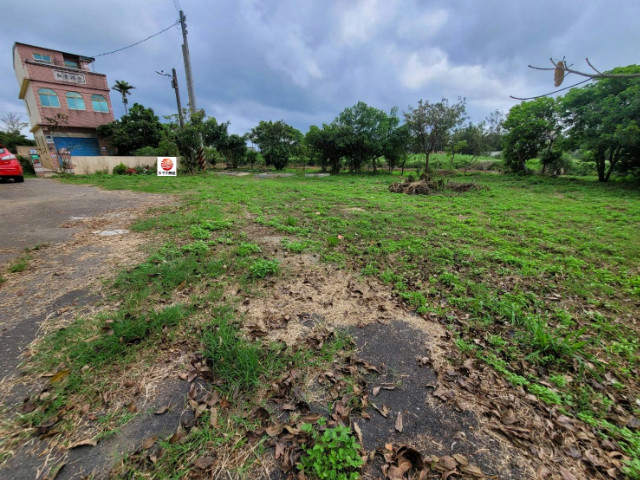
{"x": 537, "y": 277}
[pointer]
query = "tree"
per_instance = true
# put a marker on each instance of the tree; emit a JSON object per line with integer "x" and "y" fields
{"x": 364, "y": 132}
{"x": 430, "y": 125}
{"x": 12, "y": 123}
{"x": 234, "y": 150}
{"x": 11, "y": 140}
{"x": 125, "y": 89}
{"x": 603, "y": 119}
{"x": 139, "y": 128}
{"x": 327, "y": 143}
{"x": 530, "y": 127}
{"x": 396, "y": 149}
{"x": 277, "y": 141}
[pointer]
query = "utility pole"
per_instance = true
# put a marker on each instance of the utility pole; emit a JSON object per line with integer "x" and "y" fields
{"x": 174, "y": 85}
{"x": 187, "y": 63}
{"x": 190, "y": 89}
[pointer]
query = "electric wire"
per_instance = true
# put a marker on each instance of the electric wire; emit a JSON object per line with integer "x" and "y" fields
{"x": 138, "y": 43}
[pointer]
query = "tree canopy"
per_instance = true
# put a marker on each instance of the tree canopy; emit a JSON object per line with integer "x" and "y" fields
{"x": 530, "y": 127}
{"x": 139, "y": 128}
{"x": 430, "y": 125}
{"x": 603, "y": 118}
{"x": 277, "y": 141}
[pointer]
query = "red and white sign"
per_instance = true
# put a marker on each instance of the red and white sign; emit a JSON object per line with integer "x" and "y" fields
{"x": 167, "y": 166}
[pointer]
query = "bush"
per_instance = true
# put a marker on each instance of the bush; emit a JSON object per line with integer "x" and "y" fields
{"x": 27, "y": 166}
{"x": 148, "y": 152}
{"x": 120, "y": 169}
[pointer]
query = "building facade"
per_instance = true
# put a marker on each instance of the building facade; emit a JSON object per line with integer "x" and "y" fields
{"x": 65, "y": 102}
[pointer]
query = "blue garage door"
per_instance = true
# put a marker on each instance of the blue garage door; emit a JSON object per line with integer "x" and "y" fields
{"x": 81, "y": 147}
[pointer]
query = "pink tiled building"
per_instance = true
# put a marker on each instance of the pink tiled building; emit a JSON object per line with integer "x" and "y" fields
{"x": 53, "y": 82}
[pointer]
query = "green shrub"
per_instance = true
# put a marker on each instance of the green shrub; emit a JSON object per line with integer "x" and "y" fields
{"x": 148, "y": 152}
{"x": 120, "y": 169}
{"x": 27, "y": 166}
{"x": 246, "y": 249}
{"x": 333, "y": 455}
{"x": 263, "y": 268}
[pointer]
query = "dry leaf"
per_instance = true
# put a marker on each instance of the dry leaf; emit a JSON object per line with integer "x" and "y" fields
{"x": 356, "y": 428}
{"x": 162, "y": 410}
{"x": 203, "y": 462}
{"x": 399, "y": 422}
{"x": 60, "y": 375}
{"x": 88, "y": 442}
{"x": 384, "y": 411}
{"x": 566, "y": 474}
{"x": 274, "y": 430}
{"x": 148, "y": 443}
{"x": 376, "y": 390}
{"x": 471, "y": 470}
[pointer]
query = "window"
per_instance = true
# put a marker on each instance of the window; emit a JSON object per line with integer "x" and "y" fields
{"x": 38, "y": 57}
{"x": 75, "y": 101}
{"x": 71, "y": 63}
{"x": 48, "y": 98}
{"x": 99, "y": 103}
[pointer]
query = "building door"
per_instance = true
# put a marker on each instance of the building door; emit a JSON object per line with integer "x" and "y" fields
{"x": 78, "y": 146}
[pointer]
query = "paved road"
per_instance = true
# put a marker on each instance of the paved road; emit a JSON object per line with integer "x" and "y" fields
{"x": 42, "y": 211}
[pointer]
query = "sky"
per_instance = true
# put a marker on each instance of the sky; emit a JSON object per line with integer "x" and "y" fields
{"x": 305, "y": 61}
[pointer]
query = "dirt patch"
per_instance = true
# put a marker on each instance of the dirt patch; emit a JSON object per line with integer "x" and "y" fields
{"x": 313, "y": 295}
{"x": 405, "y": 387}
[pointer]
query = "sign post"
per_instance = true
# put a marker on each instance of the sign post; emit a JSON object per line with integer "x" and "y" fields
{"x": 167, "y": 167}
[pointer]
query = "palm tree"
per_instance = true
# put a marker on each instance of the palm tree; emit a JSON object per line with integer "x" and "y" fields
{"x": 124, "y": 88}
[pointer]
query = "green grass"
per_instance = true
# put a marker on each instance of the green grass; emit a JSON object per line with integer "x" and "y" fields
{"x": 20, "y": 264}
{"x": 539, "y": 272}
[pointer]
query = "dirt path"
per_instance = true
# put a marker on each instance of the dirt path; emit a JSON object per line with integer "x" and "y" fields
{"x": 62, "y": 281}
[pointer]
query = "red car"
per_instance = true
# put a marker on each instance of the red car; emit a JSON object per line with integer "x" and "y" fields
{"x": 10, "y": 166}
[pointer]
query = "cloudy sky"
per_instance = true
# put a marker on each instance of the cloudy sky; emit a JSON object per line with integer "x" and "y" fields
{"x": 304, "y": 61}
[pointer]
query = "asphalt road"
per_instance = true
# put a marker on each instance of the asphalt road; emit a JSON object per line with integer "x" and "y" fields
{"x": 42, "y": 211}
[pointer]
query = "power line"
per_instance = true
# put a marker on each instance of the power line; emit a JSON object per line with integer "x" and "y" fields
{"x": 138, "y": 43}
{"x": 175, "y": 4}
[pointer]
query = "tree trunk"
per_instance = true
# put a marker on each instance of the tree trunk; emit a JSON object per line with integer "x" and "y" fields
{"x": 426, "y": 164}
{"x": 600, "y": 166}
{"x": 613, "y": 159}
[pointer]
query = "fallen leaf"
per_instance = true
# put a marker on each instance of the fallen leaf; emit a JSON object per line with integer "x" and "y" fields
{"x": 448, "y": 462}
{"x": 213, "y": 418}
{"x": 461, "y": 459}
{"x": 162, "y": 410}
{"x": 399, "y": 422}
{"x": 60, "y": 375}
{"x": 356, "y": 428}
{"x": 566, "y": 474}
{"x": 88, "y": 442}
{"x": 471, "y": 470}
{"x": 148, "y": 443}
{"x": 203, "y": 462}
{"x": 384, "y": 411}
{"x": 376, "y": 390}
{"x": 274, "y": 430}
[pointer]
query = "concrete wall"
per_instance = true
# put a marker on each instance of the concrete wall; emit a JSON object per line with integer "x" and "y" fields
{"x": 87, "y": 165}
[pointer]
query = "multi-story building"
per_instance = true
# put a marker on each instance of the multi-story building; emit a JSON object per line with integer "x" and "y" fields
{"x": 65, "y": 101}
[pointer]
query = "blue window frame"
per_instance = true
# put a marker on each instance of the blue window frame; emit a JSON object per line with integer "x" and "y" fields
{"x": 42, "y": 58}
{"x": 48, "y": 98}
{"x": 75, "y": 101}
{"x": 71, "y": 63}
{"x": 99, "y": 104}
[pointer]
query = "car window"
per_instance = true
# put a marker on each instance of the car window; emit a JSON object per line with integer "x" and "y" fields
{"x": 2, "y": 150}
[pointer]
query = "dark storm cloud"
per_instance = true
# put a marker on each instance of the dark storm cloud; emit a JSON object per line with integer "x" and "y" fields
{"x": 305, "y": 61}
